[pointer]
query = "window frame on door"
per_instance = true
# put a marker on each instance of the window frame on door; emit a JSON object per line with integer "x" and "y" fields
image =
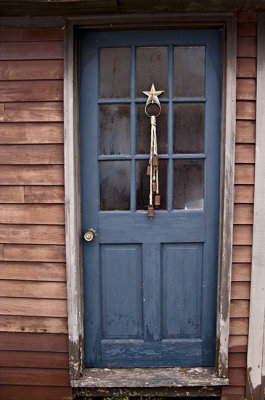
{"x": 224, "y": 21}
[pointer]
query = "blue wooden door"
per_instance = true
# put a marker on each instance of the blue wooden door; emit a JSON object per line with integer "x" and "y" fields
{"x": 150, "y": 286}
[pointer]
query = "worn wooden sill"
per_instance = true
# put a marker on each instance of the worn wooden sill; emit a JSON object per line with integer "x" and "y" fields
{"x": 138, "y": 381}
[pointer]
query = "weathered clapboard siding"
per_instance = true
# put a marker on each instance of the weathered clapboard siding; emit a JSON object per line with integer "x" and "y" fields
{"x": 33, "y": 316}
{"x": 244, "y": 199}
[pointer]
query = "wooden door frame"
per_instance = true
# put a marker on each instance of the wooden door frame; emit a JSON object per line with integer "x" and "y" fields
{"x": 224, "y": 21}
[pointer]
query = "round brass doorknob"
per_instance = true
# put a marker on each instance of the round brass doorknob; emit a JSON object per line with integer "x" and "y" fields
{"x": 90, "y": 235}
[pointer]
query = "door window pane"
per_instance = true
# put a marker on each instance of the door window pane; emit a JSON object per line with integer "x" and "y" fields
{"x": 114, "y": 72}
{"x": 143, "y": 128}
{"x": 142, "y": 185}
{"x": 189, "y": 71}
{"x": 114, "y": 129}
{"x": 114, "y": 185}
{"x": 151, "y": 67}
{"x": 188, "y": 128}
{"x": 188, "y": 185}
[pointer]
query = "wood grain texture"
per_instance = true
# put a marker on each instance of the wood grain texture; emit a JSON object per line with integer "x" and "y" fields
{"x": 50, "y": 253}
{"x": 49, "y": 272}
{"x": 246, "y": 67}
{"x": 245, "y": 131}
{"x": 38, "y": 290}
{"x": 1, "y": 251}
{"x": 238, "y": 343}
{"x": 33, "y": 325}
{"x": 233, "y": 392}
{"x": 242, "y": 254}
{"x": 31, "y": 154}
{"x": 247, "y": 47}
{"x": 239, "y": 326}
{"x": 31, "y": 175}
{"x": 244, "y": 194}
{"x": 33, "y": 112}
{"x": 240, "y": 290}
{"x": 37, "y": 90}
{"x": 31, "y": 50}
{"x": 2, "y": 112}
{"x": 34, "y": 376}
{"x": 237, "y": 376}
{"x": 33, "y": 307}
{"x": 245, "y": 153}
{"x": 241, "y": 272}
{"x": 34, "y": 393}
{"x": 243, "y": 234}
{"x": 46, "y": 214}
{"x": 246, "y": 89}
{"x": 30, "y": 359}
{"x": 246, "y": 110}
{"x": 11, "y": 194}
{"x": 244, "y": 174}
{"x": 40, "y": 194}
{"x": 31, "y": 133}
{"x": 34, "y": 342}
{"x": 243, "y": 214}
{"x": 32, "y": 234}
{"x": 247, "y": 29}
{"x": 31, "y": 70}
{"x": 239, "y": 308}
{"x": 237, "y": 360}
{"x": 30, "y": 34}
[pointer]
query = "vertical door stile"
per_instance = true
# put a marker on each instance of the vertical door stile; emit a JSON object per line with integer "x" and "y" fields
{"x": 133, "y": 132}
{"x": 170, "y": 130}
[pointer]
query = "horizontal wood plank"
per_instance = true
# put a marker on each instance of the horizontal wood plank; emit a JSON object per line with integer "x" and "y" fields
{"x": 31, "y": 154}
{"x": 34, "y": 376}
{"x": 30, "y": 34}
{"x": 229, "y": 392}
{"x": 244, "y": 194}
{"x": 49, "y": 272}
{"x": 242, "y": 254}
{"x": 246, "y": 89}
{"x": 246, "y": 67}
{"x": 34, "y": 342}
{"x": 33, "y": 307}
{"x": 31, "y": 50}
{"x": 238, "y": 343}
{"x": 37, "y": 290}
{"x": 36, "y": 393}
{"x": 46, "y": 214}
{"x": 33, "y": 112}
{"x": 244, "y": 174}
{"x": 37, "y": 90}
{"x": 245, "y": 131}
{"x": 31, "y": 133}
{"x": 245, "y": 153}
{"x": 247, "y": 46}
{"x": 31, "y": 70}
{"x": 26, "y": 252}
{"x": 243, "y": 214}
{"x": 31, "y": 175}
{"x": 241, "y": 272}
{"x": 1, "y": 251}
{"x": 43, "y": 194}
{"x": 243, "y": 234}
{"x": 32, "y": 234}
{"x": 247, "y": 29}
{"x": 239, "y": 308}
{"x": 237, "y": 360}
{"x": 246, "y": 110}
{"x": 2, "y": 112}
{"x": 247, "y": 16}
{"x": 237, "y": 376}
{"x": 11, "y": 194}
{"x": 240, "y": 290}
{"x": 239, "y": 326}
{"x": 33, "y": 325}
{"x": 30, "y": 359}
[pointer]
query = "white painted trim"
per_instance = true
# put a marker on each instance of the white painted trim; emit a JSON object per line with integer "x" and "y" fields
{"x": 256, "y": 350}
{"x": 224, "y": 21}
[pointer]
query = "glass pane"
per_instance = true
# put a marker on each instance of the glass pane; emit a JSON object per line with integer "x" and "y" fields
{"x": 115, "y": 185}
{"x": 188, "y": 185}
{"x": 189, "y": 71}
{"x": 151, "y": 67}
{"x": 188, "y": 128}
{"x": 143, "y": 128}
{"x": 114, "y": 129}
{"x": 114, "y": 72}
{"x": 142, "y": 185}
